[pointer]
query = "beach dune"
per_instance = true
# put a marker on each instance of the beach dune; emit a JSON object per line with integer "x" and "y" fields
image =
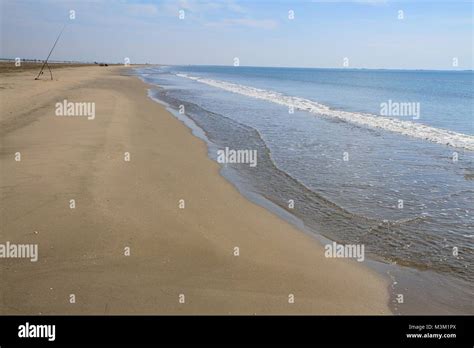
{"x": 131, "y": 217}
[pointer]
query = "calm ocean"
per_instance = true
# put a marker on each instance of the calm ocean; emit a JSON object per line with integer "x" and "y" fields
{"x": 401, "y": 183}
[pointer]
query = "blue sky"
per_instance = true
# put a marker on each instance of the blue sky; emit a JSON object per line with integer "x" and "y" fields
{"x": 259, "y": 33}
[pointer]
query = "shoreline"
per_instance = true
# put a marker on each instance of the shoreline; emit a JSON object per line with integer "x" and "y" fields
{"x": 405, "y": 280}
{"x": 173, "y": 251}
{"x": 411, "y": 282}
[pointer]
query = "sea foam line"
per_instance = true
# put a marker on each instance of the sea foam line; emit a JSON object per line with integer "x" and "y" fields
{"x": 413, "y": 129}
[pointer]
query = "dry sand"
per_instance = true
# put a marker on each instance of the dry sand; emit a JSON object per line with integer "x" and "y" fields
{"x": 134, "y": 204}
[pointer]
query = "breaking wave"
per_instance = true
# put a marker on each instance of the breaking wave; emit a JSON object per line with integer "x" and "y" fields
{"x": 408, "y": 128}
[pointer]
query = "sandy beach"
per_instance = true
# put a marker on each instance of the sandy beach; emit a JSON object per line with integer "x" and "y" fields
{"x": 127, "y": 247}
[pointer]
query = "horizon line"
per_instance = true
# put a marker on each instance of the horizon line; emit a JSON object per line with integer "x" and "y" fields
{"x": 243, "y": 66}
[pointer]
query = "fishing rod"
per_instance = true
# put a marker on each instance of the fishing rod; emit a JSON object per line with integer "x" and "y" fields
{"x": 46, "y": 61}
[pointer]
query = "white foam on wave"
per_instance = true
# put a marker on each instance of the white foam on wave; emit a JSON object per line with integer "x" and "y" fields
{"x": 409, "y": 128}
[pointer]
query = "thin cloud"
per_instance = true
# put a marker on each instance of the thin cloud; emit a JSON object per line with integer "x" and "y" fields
{"x": 202, "y": 7}
{"x": 267, "y": 24}
{"x": 142, "y": 9}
